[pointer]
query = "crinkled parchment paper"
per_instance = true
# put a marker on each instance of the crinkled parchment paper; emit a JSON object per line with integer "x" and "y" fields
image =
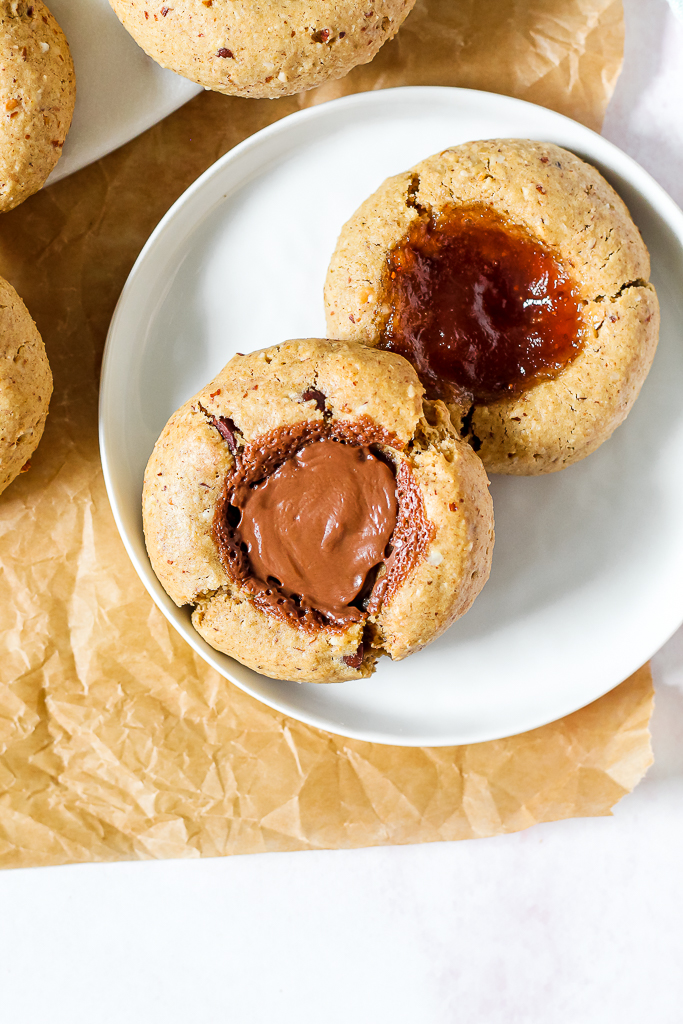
{"x": 116, "y": 741}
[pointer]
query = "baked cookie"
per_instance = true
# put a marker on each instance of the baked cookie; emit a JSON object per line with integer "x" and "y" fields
{"x": 25, "y": 385}
{"x": 273, "y": 48}
{"x": 37, "y": 96}
{"x": 317, "y": 512}
{"x": 512, "y": 276}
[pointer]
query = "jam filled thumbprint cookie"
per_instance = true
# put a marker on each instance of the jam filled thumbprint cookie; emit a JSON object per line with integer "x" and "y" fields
{"x": 510, "y": 274}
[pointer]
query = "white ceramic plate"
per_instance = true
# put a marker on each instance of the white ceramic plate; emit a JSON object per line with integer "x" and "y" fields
{"x": 587, "y": 578}
{"x": 120, "y": 91}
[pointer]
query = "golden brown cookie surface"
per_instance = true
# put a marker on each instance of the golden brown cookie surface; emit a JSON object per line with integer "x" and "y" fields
{"x": 269, "y": 405}
{"x": 37, "y": 96}
{"x": 25, "y": 385}
{"x": 564, "y": 206}
{"x": 265, "y": 49}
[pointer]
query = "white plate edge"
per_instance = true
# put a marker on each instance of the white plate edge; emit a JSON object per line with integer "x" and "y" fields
{"x": 657, "y": 196}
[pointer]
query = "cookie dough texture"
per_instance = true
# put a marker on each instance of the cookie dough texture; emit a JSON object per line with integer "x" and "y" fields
{"x": 267, "y": 48}
{"x": 25, "y": 385}
{"x": 567, "y": 205}
{"x": 37, "y": 96}
{"x": 261, "y": 392}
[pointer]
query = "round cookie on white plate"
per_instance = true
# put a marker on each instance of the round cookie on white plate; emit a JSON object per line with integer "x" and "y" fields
{"x": 25, "y": 385}
{"x": 512, "y": 276}
{"x": 268, "y": 49}
{"x": 316, "y": 512}
{"x": 37, "y": 96}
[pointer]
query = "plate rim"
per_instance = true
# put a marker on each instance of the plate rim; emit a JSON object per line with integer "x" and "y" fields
{"x": 653, "y": 193}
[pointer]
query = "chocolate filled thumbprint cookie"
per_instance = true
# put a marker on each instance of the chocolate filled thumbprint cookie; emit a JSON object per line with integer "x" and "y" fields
{"x": 317, "y": 512}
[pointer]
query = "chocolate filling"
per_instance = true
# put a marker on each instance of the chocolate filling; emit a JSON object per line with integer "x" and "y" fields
{"x": 318, "y": 523}
{"x": 480, "y": 308}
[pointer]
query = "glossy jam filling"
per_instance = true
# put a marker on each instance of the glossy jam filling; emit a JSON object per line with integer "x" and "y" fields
{"x": 481, "y": 309}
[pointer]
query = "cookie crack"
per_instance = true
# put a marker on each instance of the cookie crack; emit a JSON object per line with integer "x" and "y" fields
{"x": 227, "y": 429}
{"x": 371, "y": 648}
{"x": 23, "y": 345}
{"x": 639, "y": 282}
{"x": 412, "y": 201}
{"x": 314, "y": 394}
{"x": 466, "y": 430}
{"x": 207, "y": 595}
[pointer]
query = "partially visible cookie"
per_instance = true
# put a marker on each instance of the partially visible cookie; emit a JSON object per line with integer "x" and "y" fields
{"x": 37, "y": 96}
{"x": 25, "y": 385}
{"x": 268, "y": 49}
{"x": 316, "y": 513}
{"x": 513, "y": 277}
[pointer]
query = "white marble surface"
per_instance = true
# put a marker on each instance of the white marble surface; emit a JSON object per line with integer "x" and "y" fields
{"x": 577, "y": 922}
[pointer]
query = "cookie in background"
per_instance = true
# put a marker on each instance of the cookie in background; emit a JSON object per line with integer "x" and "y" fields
{"x": 25, "y": 385}
{"x": 261, "y": 50}
{"x": 37, "y": 96}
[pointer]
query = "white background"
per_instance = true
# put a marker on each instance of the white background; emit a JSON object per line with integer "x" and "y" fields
{"x": 578, "y": 922}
